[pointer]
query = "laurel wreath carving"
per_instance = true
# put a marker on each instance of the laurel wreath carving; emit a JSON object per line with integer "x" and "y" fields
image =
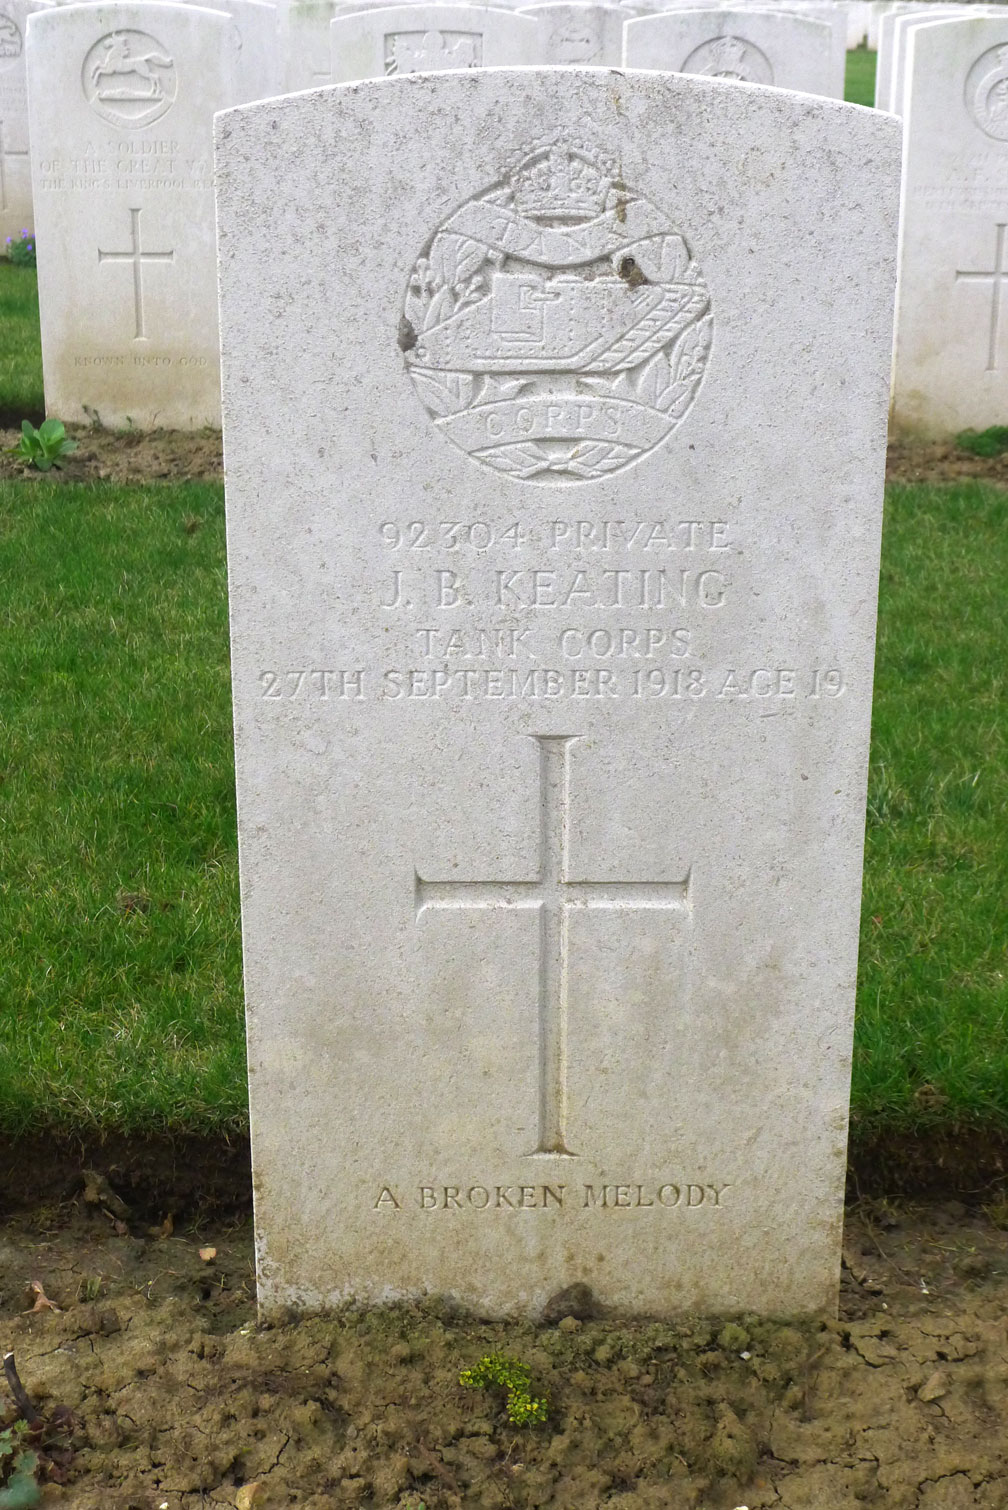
{"x": 584, "y": 459}
{"x": 455, "y": 273}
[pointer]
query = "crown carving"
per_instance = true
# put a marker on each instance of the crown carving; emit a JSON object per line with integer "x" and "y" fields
{"x": 561, "y": 183}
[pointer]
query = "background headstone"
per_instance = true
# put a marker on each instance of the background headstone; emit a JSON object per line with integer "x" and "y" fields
{"x": 951, "y": 352}
{"x": 552, "y": 677}
{"x": 420, "y": 38}
{"x": 745, "y": 44}
{"x": 15, "y": 164}
{"x": 261, "y": 66}
{"x": 890, "y": 65}
{"x": 826, "y": 11}
{"x": 122, "y": 99}
{"x": 306, "y": 38}
{"x": 573, "y": 32}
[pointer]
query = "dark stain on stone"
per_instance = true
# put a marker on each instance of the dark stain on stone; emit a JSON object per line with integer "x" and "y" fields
{"x": 631, "y": 273}
{"x": 576, "y": 1300}
{"x": 407, "y": 335}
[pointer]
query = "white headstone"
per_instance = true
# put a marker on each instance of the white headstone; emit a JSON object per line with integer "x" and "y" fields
{"x": 747, "y": 45}
{"x": 951, "y": 354}
{"x": 306, "y": 35}
{"x": 261, "y": 70}
{"x": 552, "y": 677}
{"x": 574, "y": 32}
{"x": 922, "y": 16}
{"x": 835, "y": 18}
{"x": 884, "y": 46}
{"x": 827, "y": 11}
{"x": 122, "y": 99}
{"x": 422, "y": 38}
{"x": 879, "y": 9}
{"x": 15, "y": 164}
{"x": 890, "y": 62}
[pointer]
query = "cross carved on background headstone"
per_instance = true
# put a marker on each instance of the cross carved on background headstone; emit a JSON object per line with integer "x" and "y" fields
{"x": 137, "y": 256}
{"x": 996, "y": 277}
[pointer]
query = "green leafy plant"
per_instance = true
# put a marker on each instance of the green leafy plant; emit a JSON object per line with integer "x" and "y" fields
{"x": 45, "y": 447}
{"x": 18, "y": 1485}
{"x": 990, "y": 442}
{"x": 22, "y": 251}
{"x": 515, "y": 1378}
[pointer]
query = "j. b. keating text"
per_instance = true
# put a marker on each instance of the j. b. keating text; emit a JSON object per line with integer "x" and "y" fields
{"x": 635, "y": 1197}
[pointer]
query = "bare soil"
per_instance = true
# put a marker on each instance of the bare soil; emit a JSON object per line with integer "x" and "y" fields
{"x": 127, "y": 456}
{"x": 177, "y": 456}
{"x": 177, "y": 1399}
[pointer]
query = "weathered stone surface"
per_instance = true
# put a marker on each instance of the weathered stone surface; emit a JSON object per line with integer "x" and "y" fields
{"x": 552, "y": 661}
{"x": 754, "y": 46}
{"x": 951, "y": 353}
{"x": 122, "y": 100}
{"x": 15, "y": 164}
{"x": 418, "y": 38}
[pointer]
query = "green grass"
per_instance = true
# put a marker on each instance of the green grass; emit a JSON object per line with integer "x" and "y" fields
{"x": 120, "y": 965}
{"x": 120, "y": 988}
{"x": 20, "y": 346}
{"x": 859, "y": 88}
{"x": 932, "y": 1037}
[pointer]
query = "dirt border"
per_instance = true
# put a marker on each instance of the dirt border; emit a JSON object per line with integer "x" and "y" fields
{"x": 148, "y": 456}
{"x": 192, "y": 1176}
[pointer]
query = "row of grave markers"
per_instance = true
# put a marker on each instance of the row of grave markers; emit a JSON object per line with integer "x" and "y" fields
{"x": 286, "y": 46}
{"x": 944, "y": 69}
{"x": 122, "y": 99}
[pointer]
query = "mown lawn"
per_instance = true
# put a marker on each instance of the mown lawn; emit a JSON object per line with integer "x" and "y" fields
{"x": 932, "y": 1037}
{"x": 859, "y": 88}
{"x": 20, "y": 346}
{"x": 120, "y": 960}
{"x": 120, "y": 969}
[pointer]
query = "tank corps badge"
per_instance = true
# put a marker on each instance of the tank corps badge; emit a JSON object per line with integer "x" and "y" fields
{"x": 556, "y": 328}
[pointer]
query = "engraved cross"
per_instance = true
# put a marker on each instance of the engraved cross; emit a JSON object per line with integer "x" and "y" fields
{"x": 5, "y": 153}
{"x": 996, "y": 278}
{"x": 138, "y": 257}
{"x": 554, "y": 896}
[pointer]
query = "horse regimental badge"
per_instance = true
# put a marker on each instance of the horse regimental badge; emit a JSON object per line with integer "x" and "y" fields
{"x": 556, "y": 328}
{"x": 129, "y": 78}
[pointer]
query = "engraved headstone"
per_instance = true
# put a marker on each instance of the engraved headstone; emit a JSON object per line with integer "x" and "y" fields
{"x": 745, "y": 45}
{"x": 15, "y": 164}
{"x": 552, "y": 677}
{"x": 574, "y": 32}
{"x": 422, "y": 38}
{"x": 824, "y": 11}
{"x": 122, "y": 99}
{"x": 951, "y": 352}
